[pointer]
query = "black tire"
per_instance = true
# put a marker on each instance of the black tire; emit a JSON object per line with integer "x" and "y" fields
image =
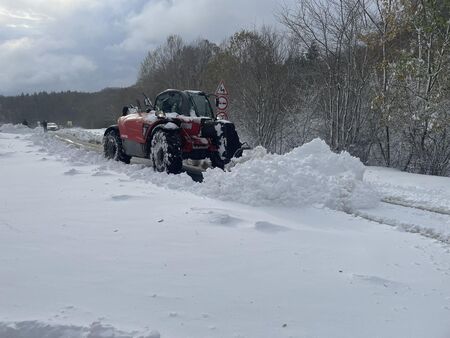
{"x": 166, "y": 152}
{"x": 216, "y": 161}
{"x": 112, "y": 147}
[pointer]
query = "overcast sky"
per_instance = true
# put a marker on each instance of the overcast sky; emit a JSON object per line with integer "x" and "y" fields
{"x": 87, "y": 45}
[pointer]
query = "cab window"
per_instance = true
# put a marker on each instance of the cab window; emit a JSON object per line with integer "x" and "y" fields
{"x": 169, "y": 103}
{"x": 200, "y": 105}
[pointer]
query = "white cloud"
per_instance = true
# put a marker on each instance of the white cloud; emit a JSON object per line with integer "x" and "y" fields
{"x": 6, "y": 15}
{"x": 211, "y": 19}
{"x": 33, "y": 63}
{"x": 92, "y": 44}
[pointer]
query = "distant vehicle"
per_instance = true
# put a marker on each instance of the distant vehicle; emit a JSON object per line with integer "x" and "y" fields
{"x": 52, "y": 126}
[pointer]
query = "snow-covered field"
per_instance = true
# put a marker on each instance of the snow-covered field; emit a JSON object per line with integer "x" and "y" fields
{"x": 308, "y": 244}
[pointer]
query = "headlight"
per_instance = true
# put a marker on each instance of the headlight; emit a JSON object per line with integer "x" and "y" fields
{"x": 160, "y": 114}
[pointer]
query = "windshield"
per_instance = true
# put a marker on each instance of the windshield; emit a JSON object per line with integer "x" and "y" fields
{"x": 200, "y": 104}
{"x": 169, "y": 102}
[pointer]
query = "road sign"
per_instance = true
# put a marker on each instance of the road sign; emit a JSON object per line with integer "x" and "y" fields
{"x": 221, "y": 90}
{"x": 222, "y": 102}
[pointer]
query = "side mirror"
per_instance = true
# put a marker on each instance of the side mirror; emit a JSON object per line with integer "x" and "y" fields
{"x": 148, "y": 103}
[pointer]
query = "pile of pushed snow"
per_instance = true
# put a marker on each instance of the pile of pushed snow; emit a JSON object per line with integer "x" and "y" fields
{"x": 310, "y": 174}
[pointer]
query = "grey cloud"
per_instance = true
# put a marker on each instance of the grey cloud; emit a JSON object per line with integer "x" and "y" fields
{"x": 87, "y": 45}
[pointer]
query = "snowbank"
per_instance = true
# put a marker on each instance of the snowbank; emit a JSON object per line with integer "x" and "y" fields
{"x": 310, "y": 174}
{"x": 15, "y": 128}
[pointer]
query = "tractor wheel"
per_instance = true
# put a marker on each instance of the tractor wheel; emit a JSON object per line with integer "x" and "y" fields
{"x": 216, "y": 161}
{"x": 166, "y": 152}
{"x": 112, "y": 147}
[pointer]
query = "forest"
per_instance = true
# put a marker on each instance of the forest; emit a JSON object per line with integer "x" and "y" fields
{"x": 371, "y": 77}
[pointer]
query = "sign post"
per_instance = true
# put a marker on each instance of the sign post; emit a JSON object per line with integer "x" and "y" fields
{"x": 221, "y": 101}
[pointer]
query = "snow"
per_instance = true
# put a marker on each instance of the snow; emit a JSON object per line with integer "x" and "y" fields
{"x": 96, "y": 248}
{"x": 151, "y": 116}
{"x": 91, "y": 136}
{"x": 412, "y": 202}
{"x": 422, "y": 191}
{"x": 170, "y": 125}
{"x": 223, "y": 141}
{"x": 309, "y": 175}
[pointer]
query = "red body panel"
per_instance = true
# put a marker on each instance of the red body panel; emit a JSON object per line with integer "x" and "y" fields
{"x": 131, "y": 128}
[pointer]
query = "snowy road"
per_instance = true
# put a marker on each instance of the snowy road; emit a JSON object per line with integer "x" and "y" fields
{"x": 94, "y": 248}
{"x": 410, "y": 202}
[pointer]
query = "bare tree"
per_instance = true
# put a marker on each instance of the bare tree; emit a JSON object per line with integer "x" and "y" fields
{"x": 335, "y": 28}
{"x": 260, "y": 83}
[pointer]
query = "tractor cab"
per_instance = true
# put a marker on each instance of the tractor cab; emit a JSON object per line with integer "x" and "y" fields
{"x": 187, "y": 103}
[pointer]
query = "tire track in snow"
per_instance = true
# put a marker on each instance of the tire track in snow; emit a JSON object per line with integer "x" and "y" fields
{"x": 80, "y": 144}
{"x": 431, "y": 224}
{"x": 194, "y": 172}
{"x": 406, "y": 204}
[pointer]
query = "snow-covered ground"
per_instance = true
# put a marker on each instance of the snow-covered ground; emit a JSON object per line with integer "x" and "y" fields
{"x": 301, "y": 245}
{"x": 86, "y": 135}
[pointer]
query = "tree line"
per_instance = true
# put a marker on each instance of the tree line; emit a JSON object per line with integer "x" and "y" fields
{"x": 371, "y": 77}
{"x": 88, "y": 110}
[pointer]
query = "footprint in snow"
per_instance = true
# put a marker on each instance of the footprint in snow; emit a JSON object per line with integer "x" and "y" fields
{"x": 101, "y": 173}
{"x": 153, "y": 334}
{"x": 123, "y": 197}
{"x": 270, "y": 228}
{"x": 78, "y": 164}
{"x": 221, "y": 219}
{"x": 6, "y": 154}
{"x": 379, "y": 281}
{"x": 72, "y": 172}
{"x": 125, "y": 180}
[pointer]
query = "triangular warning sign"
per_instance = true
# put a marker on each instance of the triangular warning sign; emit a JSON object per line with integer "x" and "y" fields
{"x": 221, "y": 90}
